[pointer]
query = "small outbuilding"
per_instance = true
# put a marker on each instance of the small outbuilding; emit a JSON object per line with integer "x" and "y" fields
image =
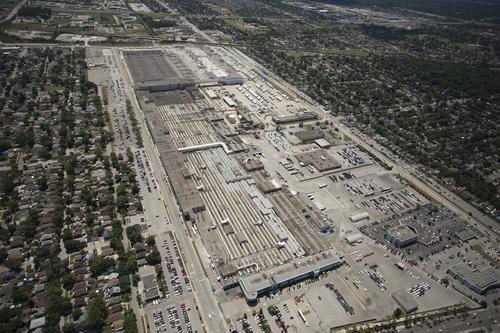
{"x": 354, "y": 239}
{"x": 359, "y": 217}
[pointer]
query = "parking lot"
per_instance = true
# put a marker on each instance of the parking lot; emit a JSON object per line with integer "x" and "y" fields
{"x": 174, "y": 317}
{"x": 175, "y": 280}
{"x": 394, "y": 203}
{"x": 174, "y": 311}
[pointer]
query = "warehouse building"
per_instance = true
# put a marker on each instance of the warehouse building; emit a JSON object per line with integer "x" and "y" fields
{"x": 404, "y": 300}
{"x": 479, "y": 280}
{"x": 229, "y": 101}
{"x": 306, "y": 136}
{"x": 322, "y": 143}
{"x": 359, "y": 217}
{"x": 294, "y": 118}
{"x": 275, "y": 278}
{"x": 402, "y": 235}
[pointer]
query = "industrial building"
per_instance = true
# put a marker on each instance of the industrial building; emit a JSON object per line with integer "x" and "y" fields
{"x": 211, "y": 94}
{"x": 359, "y": 217}
{"x": 274, "y": 278}
{"x": 293, "y": 118}
{"x": 311, "y": 135}
{"x": 250, "y": 163}
{"x": 229, "y": 101}
{"x": 322, "y": 143}
{"x": 479, "y": 280}
{"x": 404, "y": 300}
{"x": 249, "y": 222}
{"x": 305, "y": 224}
{"x": 158, "y": 70}
{"x": 402, "y": 235}
{"x": 354, "y": 238}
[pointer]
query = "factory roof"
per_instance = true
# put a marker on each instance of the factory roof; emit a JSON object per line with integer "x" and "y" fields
{"x": 404, "y": 300}
{"x": 294, "y": 117}
{"x": 310, "y": 135}
{"x": 229, "y": 101}
{"x": 211, "y": 93}
{"x": 228, "y": 269}
{"x": 250, "y": 163}
{"x": 282, "y": 235}
{"x": 478, "y": 279}
{"x": 402, "y": 232}
{"x": 359, "y": 217}
{"x": 275, "y": 277}
{"x": 265, "y": 184}
{"x": 322, "y": 143}
{"x": 353, "y": 238}
{"x": 184, "y": 187}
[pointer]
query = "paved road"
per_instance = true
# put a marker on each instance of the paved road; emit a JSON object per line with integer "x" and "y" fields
{"x": 13, "y": 12}
{"x": 483, "y": 320}
{"x": 206, "y": 301}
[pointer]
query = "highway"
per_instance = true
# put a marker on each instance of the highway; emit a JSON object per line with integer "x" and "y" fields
{"x": 209, "y": 309}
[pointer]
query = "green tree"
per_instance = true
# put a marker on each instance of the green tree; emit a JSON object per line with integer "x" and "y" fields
{"x": 69, "y": 328}
{"x": 397, "y": 313}
{"x": 76, "y": 314}
{"x": 100, "y": 264}
{"x": 96, "y": 315}
{"x": 153, "y": 258}
{"x": 130, "y": 323}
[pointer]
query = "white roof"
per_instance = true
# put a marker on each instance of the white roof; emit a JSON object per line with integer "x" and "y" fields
{"x": 211, "y": 93}
{"x": 352, "y": 238}
{"x": 322, "y": 143}
{"x": 38, "y": 322}
{"x": 360, "y": 216}
{"x": 229, "y": 101}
